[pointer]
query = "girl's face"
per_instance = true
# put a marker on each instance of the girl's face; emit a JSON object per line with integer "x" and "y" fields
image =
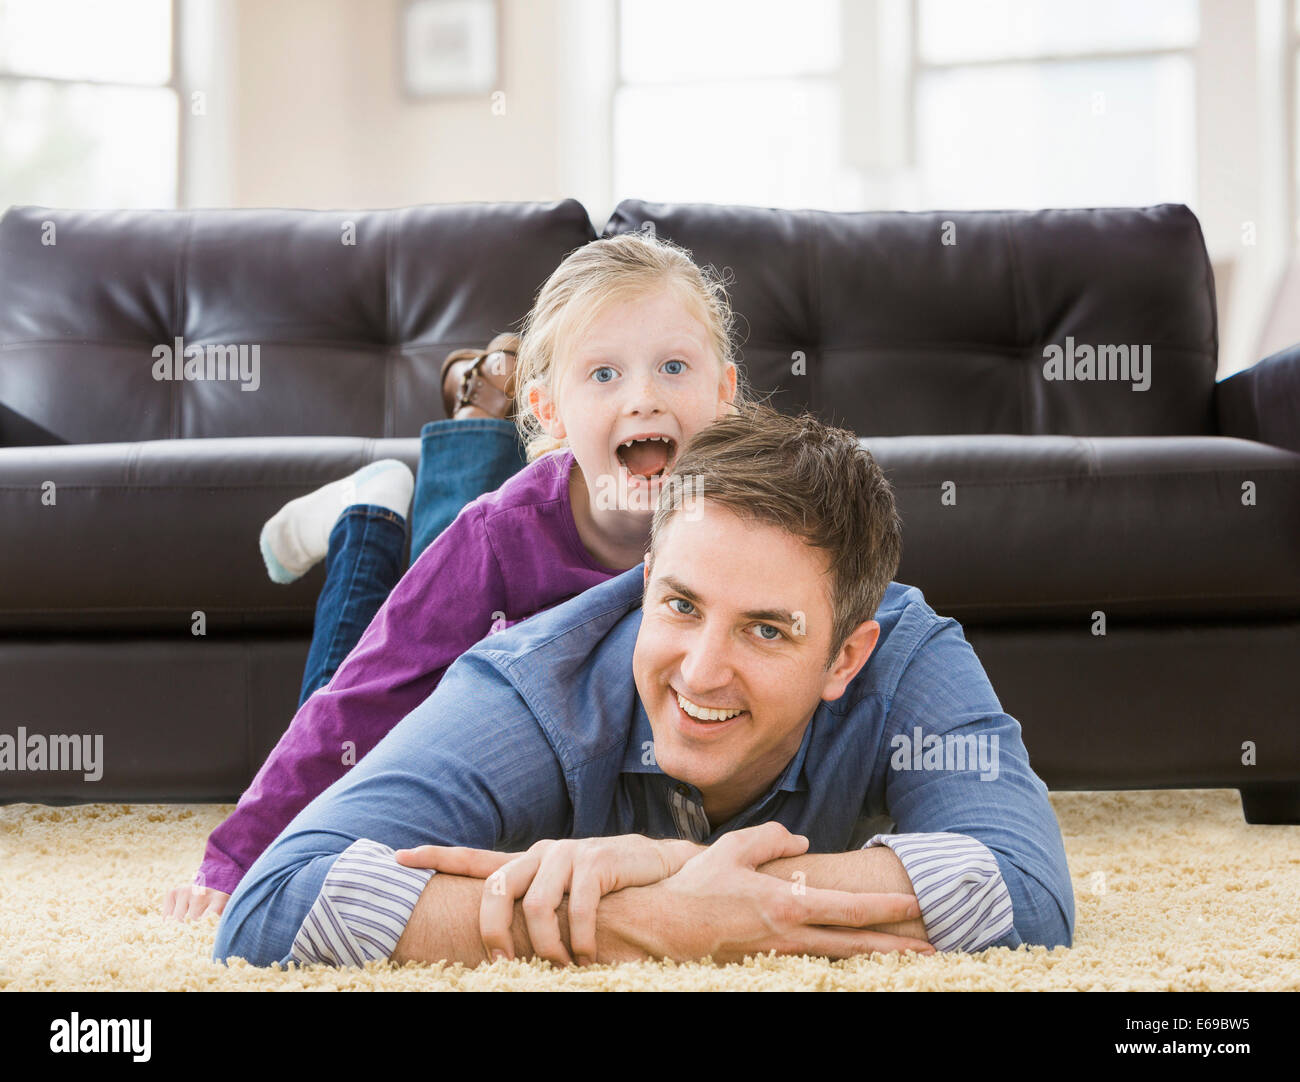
{"x": 639, "y": 384}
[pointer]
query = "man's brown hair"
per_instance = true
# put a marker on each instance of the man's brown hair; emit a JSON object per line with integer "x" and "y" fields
{"x": 809, "y": 479}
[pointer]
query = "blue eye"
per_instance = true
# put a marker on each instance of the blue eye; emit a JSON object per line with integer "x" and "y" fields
{"x": 681, "y": 367}
{"x": 673, "y": 602}
{"x": 596, "y": 375}
{"x": 776, "y": 634}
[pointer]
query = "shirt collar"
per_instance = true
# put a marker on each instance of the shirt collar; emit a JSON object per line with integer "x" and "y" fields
{"x": 638, "y": 756}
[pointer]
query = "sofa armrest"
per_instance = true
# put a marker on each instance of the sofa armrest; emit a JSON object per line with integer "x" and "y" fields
{"x": 1262, "y": 403}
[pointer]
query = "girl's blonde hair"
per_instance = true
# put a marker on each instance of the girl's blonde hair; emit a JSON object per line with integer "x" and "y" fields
{"x": 592, "y": 277}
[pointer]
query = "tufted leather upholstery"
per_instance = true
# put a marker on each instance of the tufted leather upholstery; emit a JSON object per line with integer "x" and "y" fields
{"x": 903, "y": 334}
{"x": 350, "y": 335}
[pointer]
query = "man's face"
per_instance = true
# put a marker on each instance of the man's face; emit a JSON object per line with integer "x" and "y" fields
{"x": 730, "y": 660}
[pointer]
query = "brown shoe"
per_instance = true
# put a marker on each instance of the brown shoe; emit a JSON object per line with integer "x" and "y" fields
{"x": 483, "y": 379}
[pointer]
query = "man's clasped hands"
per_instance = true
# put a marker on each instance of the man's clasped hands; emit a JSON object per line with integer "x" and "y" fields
{"x": 714, "y": 901}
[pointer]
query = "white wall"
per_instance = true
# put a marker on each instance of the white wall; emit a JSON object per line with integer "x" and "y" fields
{"x": 318, "y": 117}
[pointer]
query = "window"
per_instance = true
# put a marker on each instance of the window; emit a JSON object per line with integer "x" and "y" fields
{"x": 755, "y": 121}
{"x": 1034, "y": 103}
{"x": 1010, "y": 103}
{"x": 89, "y": 101}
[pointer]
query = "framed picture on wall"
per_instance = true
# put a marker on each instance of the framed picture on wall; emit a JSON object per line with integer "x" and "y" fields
{"x": 449, "y": 48}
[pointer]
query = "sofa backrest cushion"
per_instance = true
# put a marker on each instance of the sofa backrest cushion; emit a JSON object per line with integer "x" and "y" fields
{"x": 351, "y": 314}
{"x": 942, "y": 323}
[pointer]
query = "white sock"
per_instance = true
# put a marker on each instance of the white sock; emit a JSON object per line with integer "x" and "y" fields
{"x": 297, "y": 536}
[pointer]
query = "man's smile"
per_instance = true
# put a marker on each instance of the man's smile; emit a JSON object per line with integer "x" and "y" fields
{"x": 694, "y": 720}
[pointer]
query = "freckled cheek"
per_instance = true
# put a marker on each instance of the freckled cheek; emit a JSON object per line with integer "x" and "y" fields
{"x": 688, "y": 392}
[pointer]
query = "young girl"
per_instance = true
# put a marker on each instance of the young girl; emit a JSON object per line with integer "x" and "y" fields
{"x": 626, "y": 354}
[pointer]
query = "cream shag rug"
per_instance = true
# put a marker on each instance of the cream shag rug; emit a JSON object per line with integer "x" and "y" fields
{"x": 1173, "y": 890}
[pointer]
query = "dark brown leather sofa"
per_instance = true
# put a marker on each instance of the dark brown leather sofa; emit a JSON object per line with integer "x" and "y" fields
{"x": 1034, "y": 509}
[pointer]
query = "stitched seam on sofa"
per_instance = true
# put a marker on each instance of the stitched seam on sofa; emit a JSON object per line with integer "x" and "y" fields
{"x": 1029, "y": 416}
{"x": 447, "y": 345}
{"x": 176, "y": 328}
{"x": 1015, "y": 353}
{"x": 1091, "y": 599}
{"x": 133, "y": 453}
{"x": 162, "y": 610}
{"x": 1031, "y": 352}
{"x": 419, "y": 347}
{"x": 812, "y": 279}
{"x": 1095, "y": 479}
{"x": 196, "y": 487}
{"x": 182, "y": 300}
{"x": 199, "y": 486}
{"x": 389, "y": 422}
{"x": 1019, "y": 302}
{"x": 202, "y": 485}
{"x": 1094, "y": 460}
{"x": 263, "y": 340}
{"x": 1102, "y": 597}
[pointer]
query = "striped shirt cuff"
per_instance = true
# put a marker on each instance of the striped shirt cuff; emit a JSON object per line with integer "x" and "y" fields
{"x": 362, "y": 909}
{"x": 965, "y": 904}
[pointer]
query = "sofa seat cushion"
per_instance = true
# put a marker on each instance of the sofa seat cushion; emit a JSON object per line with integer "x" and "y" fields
{"x": 139, "y": 536}
{"x": 1055, "y": 528}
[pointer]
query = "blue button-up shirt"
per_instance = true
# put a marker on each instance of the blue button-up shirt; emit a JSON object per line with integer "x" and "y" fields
{"x": 538, "y": 732}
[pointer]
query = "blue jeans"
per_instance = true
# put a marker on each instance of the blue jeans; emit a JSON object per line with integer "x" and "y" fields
{"x": 459, "y": 461}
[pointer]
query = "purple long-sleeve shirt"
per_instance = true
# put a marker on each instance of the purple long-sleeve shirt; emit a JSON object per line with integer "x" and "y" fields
{"x": 515, "y": 552}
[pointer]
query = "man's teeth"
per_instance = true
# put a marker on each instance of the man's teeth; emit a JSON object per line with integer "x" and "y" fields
{"x": 702, "y": 713}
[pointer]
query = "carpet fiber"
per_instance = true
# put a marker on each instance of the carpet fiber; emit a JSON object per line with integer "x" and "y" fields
{"x": 1173, "y": 890}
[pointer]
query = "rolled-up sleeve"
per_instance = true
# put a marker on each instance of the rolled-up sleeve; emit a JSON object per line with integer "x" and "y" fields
{"x": 965, "y": 904}
{"x": 362, "y": 909}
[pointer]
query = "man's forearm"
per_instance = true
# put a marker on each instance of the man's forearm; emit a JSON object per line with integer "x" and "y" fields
{"x": 444, "y": 924}
{"x": 627, "y": 921}
{"x": 876, "y": 870}
{"x": 444, "y": 927}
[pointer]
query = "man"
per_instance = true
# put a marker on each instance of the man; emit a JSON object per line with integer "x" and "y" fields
{"x": 780, "y": 683}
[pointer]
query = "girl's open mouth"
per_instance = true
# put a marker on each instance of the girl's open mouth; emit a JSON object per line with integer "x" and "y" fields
{"x": 649, "y": 457}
